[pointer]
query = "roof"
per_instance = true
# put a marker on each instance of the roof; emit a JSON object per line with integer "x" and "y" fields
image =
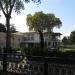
{"x": 57, "y": 34}
{"x": 18, "y": 33}
{"x": 53, "y": 33}
{"x": 30, "y": 32}
{"x": 44, "y": 33}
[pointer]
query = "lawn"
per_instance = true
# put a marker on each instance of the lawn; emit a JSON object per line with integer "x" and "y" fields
{"x": 67, "y": 49}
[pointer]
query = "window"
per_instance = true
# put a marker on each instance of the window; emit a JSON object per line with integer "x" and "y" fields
{"x": 28, "y": 35}
{"x": 32, "y": 35}
{"x": 32, "y": 38}
{"x": 24, "y": 38}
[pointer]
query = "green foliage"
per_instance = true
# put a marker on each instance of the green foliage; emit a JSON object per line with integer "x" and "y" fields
{"x": 37, "y": 21}
{"x": 65, "y": 49}
{"x": 7, "y": 6}
{"x": 65, "y": 41}
{"x": 53, "y": 21}
{"x": 2, "y": 28}
{"x": 69, "y": 40}
{"x": 48, "y": 53}
{"x": 13, "y": 29}
{"x": 17, "y": 5}
{"x": 72, "y": 37}
{"x": 42, "y": 21}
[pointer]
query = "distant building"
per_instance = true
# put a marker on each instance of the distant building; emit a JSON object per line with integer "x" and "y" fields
{"x": 2, "y": 40}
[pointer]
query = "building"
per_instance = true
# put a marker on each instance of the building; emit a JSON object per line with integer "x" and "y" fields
{"x": 2, "y": 40}
{"x": 16, "y": 39}
{"x": 31, "y": 39}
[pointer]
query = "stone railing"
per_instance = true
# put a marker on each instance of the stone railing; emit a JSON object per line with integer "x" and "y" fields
{"x": 36, "y": 66}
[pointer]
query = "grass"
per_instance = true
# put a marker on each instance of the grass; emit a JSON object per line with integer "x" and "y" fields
{"x": 67, "y": 49}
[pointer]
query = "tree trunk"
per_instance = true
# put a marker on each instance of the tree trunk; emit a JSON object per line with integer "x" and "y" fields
{"x": 8, "y": 43}
{"x": 8, "y": 35}
{"x": 41, "y": 39}
{"x": 42, "y": 47}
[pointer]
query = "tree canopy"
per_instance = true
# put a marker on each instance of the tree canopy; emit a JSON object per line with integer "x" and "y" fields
{"x": 72, "y": 37}
{"x": 42, "y": 21}
{"x": 53, "y": 21}
{"x": 13, "y": 29}
{"x": 7, "y": 6}
{"x": 2, "y": 28}
{"x": 65, "y": 40}
{"x": 36, "y": 22}
{"x": 69, "y": 40}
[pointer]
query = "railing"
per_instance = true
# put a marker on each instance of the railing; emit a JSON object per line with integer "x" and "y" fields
{"x": 34, "y": 65}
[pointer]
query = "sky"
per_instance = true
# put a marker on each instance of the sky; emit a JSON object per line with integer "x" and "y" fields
{"x": 64, "y": 9}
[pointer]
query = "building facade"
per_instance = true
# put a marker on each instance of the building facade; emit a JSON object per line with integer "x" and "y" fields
{"x": 32, "y": 39}
{"x": 16, "y": 39}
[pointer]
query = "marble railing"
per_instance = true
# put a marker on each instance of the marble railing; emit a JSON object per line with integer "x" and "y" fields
{"x": 37, "y": 67}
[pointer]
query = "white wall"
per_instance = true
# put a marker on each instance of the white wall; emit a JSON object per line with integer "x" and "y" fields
{"x": 32, "y": 34}
{"x": 15, "y": 43}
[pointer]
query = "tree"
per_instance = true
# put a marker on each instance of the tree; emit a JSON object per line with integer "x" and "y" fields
{"x": 2, "y": 28}
{"x": 65, "y": 40}
{"x": 12, "y": 29}
{"x": 40, "y": 22}
{"x": 53, "y": 22}
{"x": 72, "y": 37}
{"x": 37, "y": 22}
{"x": 7, "y": 6}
